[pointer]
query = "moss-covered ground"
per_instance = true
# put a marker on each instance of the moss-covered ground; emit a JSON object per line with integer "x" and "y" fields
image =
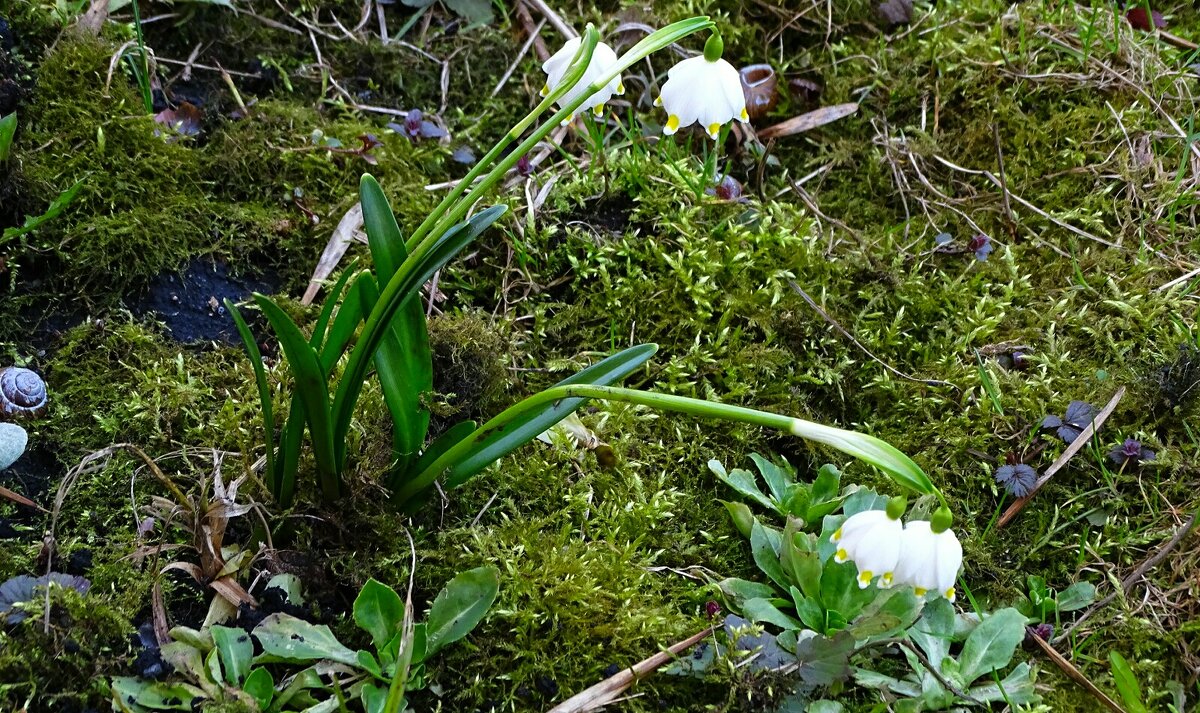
{"x": 1085, "y": 124}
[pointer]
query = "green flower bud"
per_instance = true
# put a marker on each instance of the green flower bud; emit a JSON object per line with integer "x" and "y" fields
{"x": 714, "y": 47}
{"x": 942, "y": 520}
{"x": 896, "y": 507}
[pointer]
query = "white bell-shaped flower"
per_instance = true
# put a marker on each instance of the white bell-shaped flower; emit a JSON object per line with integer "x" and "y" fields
{"x": 930, "y": 560}
{"x": 603, "y": 58}
{"x": 871, "y": 539}
{"x": 704, "y": 89}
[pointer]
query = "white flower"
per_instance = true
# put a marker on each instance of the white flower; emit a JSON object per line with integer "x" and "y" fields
{"x": 871, "y": 539}
{"x": 603, "y": 58}
{"x": 709, "y": 92}
{"x": 931, "y": 560}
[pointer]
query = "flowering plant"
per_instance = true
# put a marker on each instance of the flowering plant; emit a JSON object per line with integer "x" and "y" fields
{"x": 373, "y": 318}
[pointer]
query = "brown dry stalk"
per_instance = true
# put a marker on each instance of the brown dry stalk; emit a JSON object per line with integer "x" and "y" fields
{"x": 1075, "y": 674}
{"x": 603, "y": 693}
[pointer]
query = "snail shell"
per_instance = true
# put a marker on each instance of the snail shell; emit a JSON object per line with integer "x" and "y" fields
{"x": 759, "y": 84}
{"x": 22, "y": 394}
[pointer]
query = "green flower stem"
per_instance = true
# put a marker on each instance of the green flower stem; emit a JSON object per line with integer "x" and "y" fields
{"x": 869, "y": 448}
{"x": 455, "y": 205}
{"x": 649, "y": 44}
{"x": 577, "y": 67}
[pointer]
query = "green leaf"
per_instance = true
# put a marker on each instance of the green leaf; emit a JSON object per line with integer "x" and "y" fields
{"x": 264, "y": 393}
{"x": 825, "y": 487}
{"x": 1076, "y": 596}
{"x": 159, "y": 695}
{"x": 383, "y": 232}
{"x": 287, "y": 638}
{"x": 475, "y": 12}
{"x": 737, "y": 591}
{"x": 502, "y": 439}
{"x": 762, "y": 610}
{"x": 875, "y": 451}
{"x": 800, "y": 561}
{"x": 56, "y": 208}
{"x": 744, "y": 483}
{"x": 766, "y": 556}
{"x": 991, "y": 645}
{"x": 739, "y": 512}
{"x": 405, "y": 368}
{"x": 236, "y": 650}
{"x": 344, "y": 324}
{"x": 810, "y": 612}
{"x": 776, "y": 478}
{"x": 373, "y": 698}
{"x": 1016, "y": 688}
{"x": 331, "y": 302}
{"x": 368, "y": 663}
{"x": 935, "y": 631}
{"x": 450, "y": 437}
{"x": 460, "y": 606}
{"x": 314, "y": 393}
{"x": 1127, "y": 683}
{"x": 840, "y": 591}
{"x": 404, "y": 286}
{"x": 260, "y": 686}
{"x": 379, "y": 611}
{"x": 825, "y": 660}
{"x": 8, "y": 129}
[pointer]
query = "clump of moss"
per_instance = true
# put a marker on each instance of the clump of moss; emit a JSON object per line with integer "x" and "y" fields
{"x": 470, "y": 360}
{"x": 66, "y": 668}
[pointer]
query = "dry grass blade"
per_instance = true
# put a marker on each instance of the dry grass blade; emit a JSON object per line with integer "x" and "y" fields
{"x": 807, "y": 122}
{"x": 348, "y": 228}
{"x": 19, "y": 499}
{"x": 1076, "y": 445}
{"x": 1075, "y": 675}
{"x": 606, "y": 691}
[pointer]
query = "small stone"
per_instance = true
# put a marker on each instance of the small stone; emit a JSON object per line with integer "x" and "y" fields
{"x": 13, "y": 440}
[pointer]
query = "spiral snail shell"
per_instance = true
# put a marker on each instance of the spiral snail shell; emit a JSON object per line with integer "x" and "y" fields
{"x": 22, "y": 394}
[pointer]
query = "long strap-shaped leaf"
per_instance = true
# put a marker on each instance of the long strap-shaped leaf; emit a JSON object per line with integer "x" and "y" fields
{"x": 264, "y": 391}
{"x": 450, "y": 438}
{"x": 403, "y": 360}
{"x": 401, "y": 388}
{"x": 518, "y": 425}
{"x": 403, "y": 286}
{"x": 312, "y": 389}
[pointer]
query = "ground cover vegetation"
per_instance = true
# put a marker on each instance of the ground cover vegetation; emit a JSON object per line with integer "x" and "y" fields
{"x": 958, "y": 240}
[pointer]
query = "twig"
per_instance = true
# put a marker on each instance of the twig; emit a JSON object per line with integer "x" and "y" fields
{"x": 1003, "y": 178}
{"x": 554, "y": 18}
{"x": 1076, "y": 445}
{"x": 834, "y": 323}
{"x": 1137, "y": 574}
{"x": 1182, "y": 278}
{"x": 1074, "y": 674}
{"x": 533, "y": 36}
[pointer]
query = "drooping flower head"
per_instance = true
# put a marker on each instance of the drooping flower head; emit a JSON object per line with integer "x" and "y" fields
{"x": 932, "y": 556}
{"x": 871, "y": 539}
{"x": 603, "y": 58}
{"x": 704, "y": 89}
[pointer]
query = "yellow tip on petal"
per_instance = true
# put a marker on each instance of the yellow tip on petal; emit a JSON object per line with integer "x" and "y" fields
{"x": 837, "y": 535}
{"x": 545, "y": 89}
{"x": 598, "y": 110}
{"x": 672, "y": 125}
{"x": 864, "y": 579}
{"x": 713, "y": 130}
{"x": 886, "y": 580}
{"x": 841, "y": 556}
{"x": 950, "y": 594}
{"x": 620, "y": 88}
{"x": 919, "y": 591}
{"x": 744, "y": 116}
{"x": 657, "y": 101}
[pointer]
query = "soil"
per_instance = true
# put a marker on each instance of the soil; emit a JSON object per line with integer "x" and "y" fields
{"x": 191, "y": 304}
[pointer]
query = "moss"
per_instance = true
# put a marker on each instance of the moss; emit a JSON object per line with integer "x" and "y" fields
{"x": 596, "y": 561}
{"x": 62, "y": 669}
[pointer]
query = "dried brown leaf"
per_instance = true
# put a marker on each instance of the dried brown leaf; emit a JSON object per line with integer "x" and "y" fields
{"x": 807, "y": 122}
